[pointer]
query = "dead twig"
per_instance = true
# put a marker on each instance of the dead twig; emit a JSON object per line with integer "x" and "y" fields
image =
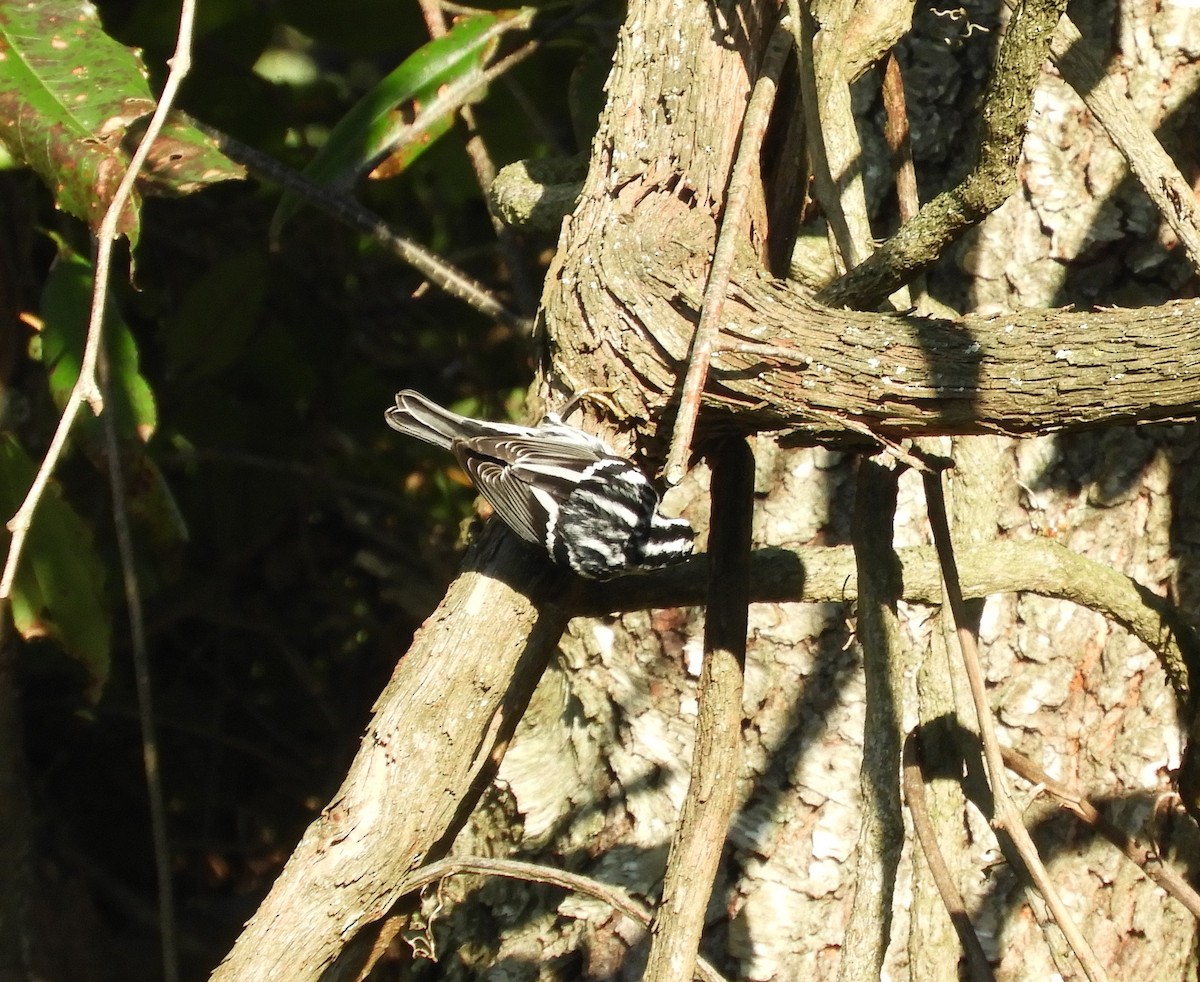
{"x": 745, "y": 171}
{"x": 1007, "y": 817}
{"x": 513, "y": 869}
{"x": 712, "y": 791}
{"x": 896, "y": 132}
{"x": 832, "y": 136}
{"x": 145, "y": 696}
{"x": 914, "y": 796}
{"x": 1148, "y": 860}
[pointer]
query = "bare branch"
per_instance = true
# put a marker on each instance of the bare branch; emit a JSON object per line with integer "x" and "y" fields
{"x": 741, "y": 181}
{"x": 145, "y": 697}
{"x": 712, "y": 790}
{"x": 1007, "y": 815}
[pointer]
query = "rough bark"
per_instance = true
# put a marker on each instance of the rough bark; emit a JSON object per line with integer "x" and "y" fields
{"x": 455, "y": 698}
{"x": 633, "y": 257}
{"x": 630, "y": 270}
{"x": 596, "y": 774}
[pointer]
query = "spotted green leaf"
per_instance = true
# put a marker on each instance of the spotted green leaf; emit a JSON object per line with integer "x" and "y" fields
{"x": 69, "y": 94}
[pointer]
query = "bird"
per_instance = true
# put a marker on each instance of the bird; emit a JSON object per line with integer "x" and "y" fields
{"x": 556, "y": 486}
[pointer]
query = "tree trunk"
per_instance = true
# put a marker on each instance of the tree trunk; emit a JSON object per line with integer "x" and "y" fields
{"x": 595, "y": 775}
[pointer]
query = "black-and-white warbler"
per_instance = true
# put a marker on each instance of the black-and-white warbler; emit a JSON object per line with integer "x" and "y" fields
{"x": 557, "y": 487}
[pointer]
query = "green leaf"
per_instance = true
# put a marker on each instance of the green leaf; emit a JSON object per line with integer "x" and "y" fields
{"x": 68, "y": 95}
{"x": 66, "y": 301}
{"x": 181, "y": 160}
{"x": 59, "y": 588}
{"x": 67, "y": 92}
{"x": 409, "y": 108}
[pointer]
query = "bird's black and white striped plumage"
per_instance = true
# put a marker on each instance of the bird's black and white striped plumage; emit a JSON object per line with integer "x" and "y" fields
{"x": 557, "y": 487}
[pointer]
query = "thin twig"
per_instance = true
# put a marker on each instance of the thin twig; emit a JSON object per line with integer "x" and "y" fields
{"x": 86, "y": 388}
{"x": 513, "y": 869}
{"x": 450, "y": 98}
{"x": 741, "y": 181}
{"x": 145, "y": 694}
{"x": 485, "y": 175}
{"x": 914, "y": 796}
{"x": 1149, "y": 861}
{"x": 699, "y": 837}
{"x": 317, "y": 474}
{"x": 345, "y": 209}
{"x": 1007, "y": 815}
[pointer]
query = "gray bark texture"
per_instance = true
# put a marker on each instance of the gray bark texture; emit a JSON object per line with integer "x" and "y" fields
{"x": 593, "y": 780}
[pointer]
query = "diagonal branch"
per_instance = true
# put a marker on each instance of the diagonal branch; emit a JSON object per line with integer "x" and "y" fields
{"x": 1157, "y": 173}
{"x": 741, "y": 181}
{"x": 1007, "y": 816}
{"x": 427, "y": 755}
{"x": 342, "y": 207}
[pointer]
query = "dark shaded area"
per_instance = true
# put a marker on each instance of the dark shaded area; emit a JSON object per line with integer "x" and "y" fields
{"x": 300, "y": 542}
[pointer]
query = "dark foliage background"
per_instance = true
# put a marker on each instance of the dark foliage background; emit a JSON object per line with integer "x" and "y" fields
{"x": 316, "y": 541}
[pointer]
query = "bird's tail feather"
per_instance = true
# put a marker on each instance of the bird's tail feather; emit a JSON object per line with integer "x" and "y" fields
{"x": 416, "y": 416}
